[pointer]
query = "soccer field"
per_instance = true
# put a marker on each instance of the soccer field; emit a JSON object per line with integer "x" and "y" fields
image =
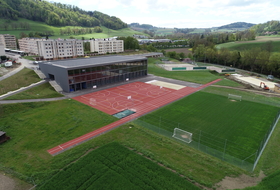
{"x": 218, "y": 122}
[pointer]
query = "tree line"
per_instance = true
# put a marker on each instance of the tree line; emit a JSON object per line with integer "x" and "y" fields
{"x": 16, "y": 25}
{"x": 57, "y": 14}
{"x": 258, "y": 59}
{"x": 78, "y": 31}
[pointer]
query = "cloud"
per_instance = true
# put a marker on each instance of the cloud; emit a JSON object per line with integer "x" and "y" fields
{"x": 184, "y": 13}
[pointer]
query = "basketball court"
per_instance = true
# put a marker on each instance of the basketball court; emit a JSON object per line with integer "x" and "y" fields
{"x": 128, "y": 96}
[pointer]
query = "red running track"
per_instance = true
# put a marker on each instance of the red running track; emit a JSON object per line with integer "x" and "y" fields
{"x": 144, "y": 99}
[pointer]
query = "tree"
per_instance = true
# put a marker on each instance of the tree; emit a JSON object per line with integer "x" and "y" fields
{"x": 225, "y": 55}
{"x": 263, "y": 60}
{"x": 130, "y": 43}
{"x": 274, "y": 63}
{"x": 199, "y": 52}
{"x": 249, "y": 57}
{"x": 6, "y": 26}
{"x": 234, "y": 57}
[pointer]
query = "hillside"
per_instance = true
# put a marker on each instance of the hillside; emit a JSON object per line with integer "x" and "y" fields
{"x": 57, "y": 14}
{"x": 36, "y": 27}
{"x": 236, "y": 25}
{"x": 270, "y": 27}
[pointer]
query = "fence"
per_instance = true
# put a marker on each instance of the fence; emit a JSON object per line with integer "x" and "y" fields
{"x": 248, "y": 96}
{"x": 233, "y": 153}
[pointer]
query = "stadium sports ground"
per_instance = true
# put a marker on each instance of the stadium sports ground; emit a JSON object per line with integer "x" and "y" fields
{"x": 229, "y": 129}
{"x": 139, "y": 97}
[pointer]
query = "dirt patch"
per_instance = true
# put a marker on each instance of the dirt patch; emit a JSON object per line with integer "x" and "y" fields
{"x": 9, "y": 183}
{"x": 240, "y": 182}
{"x": 6, "y": 183}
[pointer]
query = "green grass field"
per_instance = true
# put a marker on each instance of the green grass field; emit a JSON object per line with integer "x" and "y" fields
{"x": 42, "y": 27}
{"x": 42, "y": 91}
{"x": 23, "y": 78}
{"x": 201, "y": 77}
{"x": 214, "y": 119}
{"x": 40, "y": 126}
{"x": 36, "y": 127}
{"x": 259, "y": 42}
{"x": 115, "y": 167}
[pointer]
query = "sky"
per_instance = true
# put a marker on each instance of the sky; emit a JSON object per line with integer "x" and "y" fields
{"x": 184, "y": 13}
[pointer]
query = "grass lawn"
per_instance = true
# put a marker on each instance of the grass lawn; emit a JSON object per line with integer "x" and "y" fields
{"x": 220, "y": 119}
{"x": 201, "y": 77}
{"x": 42, "y": 91}
{"x": 227, "y": 82}
{"x": 23, "y": 78}
{"x": 268, "y": 183}
{"x": 249, "y": 96}
{"x": 36, "y": 127}
{"x": 115, "y": 167}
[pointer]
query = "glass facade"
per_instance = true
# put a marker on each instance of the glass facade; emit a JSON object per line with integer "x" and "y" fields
{"x": 100, "y": 75}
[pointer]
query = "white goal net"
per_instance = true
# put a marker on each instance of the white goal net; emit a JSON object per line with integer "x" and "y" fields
{"x": 182, "y": 135}
{"x": 234, "y": 97}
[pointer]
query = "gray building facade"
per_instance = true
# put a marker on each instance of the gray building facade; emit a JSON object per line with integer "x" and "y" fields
{"x": 84, "y": 73}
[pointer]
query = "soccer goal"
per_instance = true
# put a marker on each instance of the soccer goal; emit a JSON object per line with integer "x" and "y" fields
{"x": 182, "y": 135}
{"x": 234, "y": 97}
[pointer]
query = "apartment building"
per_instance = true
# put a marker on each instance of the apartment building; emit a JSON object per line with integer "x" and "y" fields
{"x": 103, "y": 46}
{"x": 29, "y": 45}
{"x": 2, "y": 49}
{"x": 9, "y": 41}
{"x": 57, "y": 49}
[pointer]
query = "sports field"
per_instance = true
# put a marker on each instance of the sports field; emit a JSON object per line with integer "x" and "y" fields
{"x": 115, "y": 167}
{"x": 218, "y": 122}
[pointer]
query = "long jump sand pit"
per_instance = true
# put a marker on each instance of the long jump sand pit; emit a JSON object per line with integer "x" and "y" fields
{"x": 166, "y": 84}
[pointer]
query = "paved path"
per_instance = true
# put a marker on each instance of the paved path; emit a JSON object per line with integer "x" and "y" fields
{"x": 141, "y": 110}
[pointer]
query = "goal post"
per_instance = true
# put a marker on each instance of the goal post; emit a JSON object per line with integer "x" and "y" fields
{"x": 234, "y": 97}
{"x": 182, "y": 135}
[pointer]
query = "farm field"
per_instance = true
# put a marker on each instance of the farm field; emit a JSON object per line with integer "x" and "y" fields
{"x": 214, "y": 119}
{"x": 259, "y": 42}
{"x": 115, "y": 167}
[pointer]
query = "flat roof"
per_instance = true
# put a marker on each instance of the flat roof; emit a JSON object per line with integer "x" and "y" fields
{"x": 2, "y": 133}
{"x": 93, "y": 61}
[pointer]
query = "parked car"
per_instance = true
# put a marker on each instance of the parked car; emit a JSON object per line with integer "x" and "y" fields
{"x": 270, "y": 77}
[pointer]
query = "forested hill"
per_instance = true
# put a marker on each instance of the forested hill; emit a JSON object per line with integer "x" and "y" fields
{"x": 270, "y": 27}
{"x": 236, "y": 25}
{"x": 57, "y": 14}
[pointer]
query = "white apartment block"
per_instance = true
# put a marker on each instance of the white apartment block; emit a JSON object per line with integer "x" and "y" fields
{"x": 2, "y": 49}
{"x": 103, "y": 46}
{"x": 55, "y": 49}
{"x": 9, "y": 41}
{"x": 29, "y": 45}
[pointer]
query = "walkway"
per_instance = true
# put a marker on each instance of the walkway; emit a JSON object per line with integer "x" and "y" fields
{"x": 141, "y": 110}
